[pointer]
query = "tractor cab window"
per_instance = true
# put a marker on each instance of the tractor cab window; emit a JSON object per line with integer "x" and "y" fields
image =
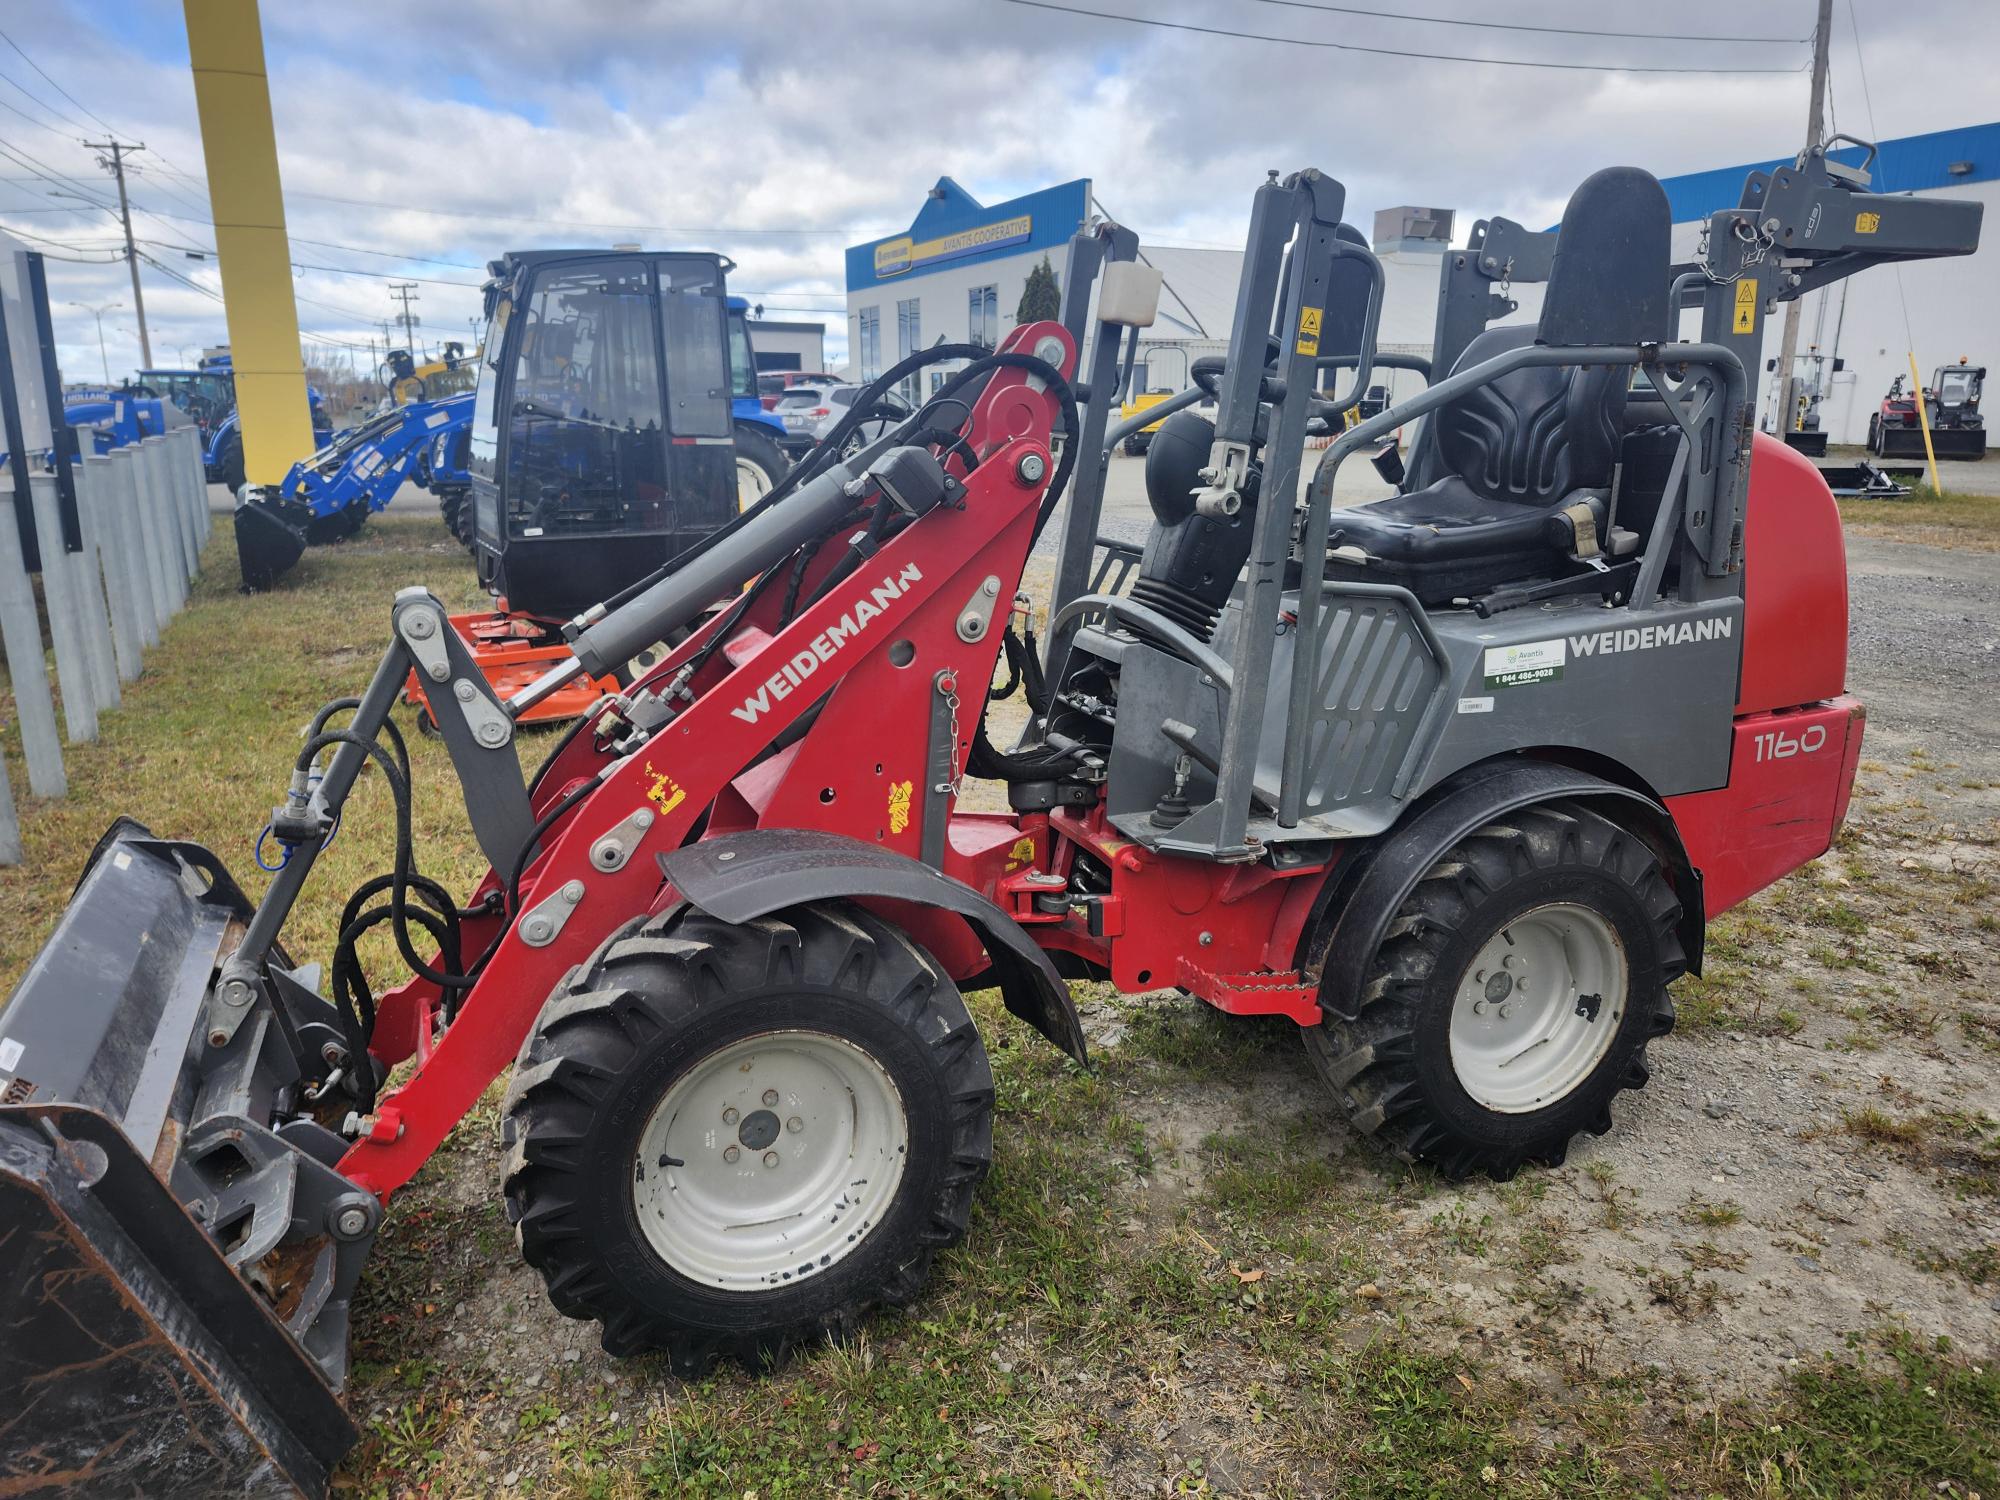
{"x": 743, "y": 377}
{"x": 698, "y": 343}
{"x": 584, "y": 450}
{"x": 1954, "y": 387}
{"x": 483, "y": 438}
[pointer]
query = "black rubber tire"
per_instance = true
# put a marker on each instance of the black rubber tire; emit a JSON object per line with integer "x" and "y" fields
{"x": 449, "y": 500}
{"x": 1391, "y": 1068}
{"x": 655, "y": 999}
{"x": 1875, "y": 434}
{"x": 762, "y": 450}
{"x": 229, "y": 461}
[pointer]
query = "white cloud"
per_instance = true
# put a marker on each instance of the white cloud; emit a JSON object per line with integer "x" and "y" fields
{"x": 514, "y": 123}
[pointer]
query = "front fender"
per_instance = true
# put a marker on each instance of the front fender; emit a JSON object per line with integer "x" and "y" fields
{"x": 741, "y": 876}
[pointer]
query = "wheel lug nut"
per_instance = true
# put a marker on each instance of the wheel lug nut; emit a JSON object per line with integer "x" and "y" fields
{"x": 770, "y": 1158}
{"x": 1479, "y": 976}
{"x": 1479, "y": 1007}
{"x": 795, "y": 1124}
{"x": 729, "y": 1116}
{"x": 1506, "y": 1012}
{"x": 770, "y": 1096}
{"x": 730, "y": 1153}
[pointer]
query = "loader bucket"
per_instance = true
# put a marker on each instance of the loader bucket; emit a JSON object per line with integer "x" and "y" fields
{"x": 267, "y": 545}
{"x": 177, "y": 1253}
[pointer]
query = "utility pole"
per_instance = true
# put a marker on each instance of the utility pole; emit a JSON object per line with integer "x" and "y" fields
{"x": 1788, "y": 345}
{"x": 406, "y": 293}
{"x": 116, "y": 166}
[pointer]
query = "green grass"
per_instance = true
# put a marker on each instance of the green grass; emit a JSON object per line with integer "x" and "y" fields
{"x": 202, "y": 743}
{"x": 1948, "y": 518}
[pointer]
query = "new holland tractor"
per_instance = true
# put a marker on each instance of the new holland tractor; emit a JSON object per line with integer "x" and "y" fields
{"x": 1454, "y": 780}
{"x": 328, "y": 495}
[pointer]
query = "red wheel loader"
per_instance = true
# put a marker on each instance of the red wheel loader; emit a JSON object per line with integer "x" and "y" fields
{"x": 1453, "y": 779}
{"x": 1950, "y": 410}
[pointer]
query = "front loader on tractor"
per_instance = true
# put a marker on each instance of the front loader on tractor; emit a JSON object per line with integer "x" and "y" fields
{"x": 1453, "y": 779}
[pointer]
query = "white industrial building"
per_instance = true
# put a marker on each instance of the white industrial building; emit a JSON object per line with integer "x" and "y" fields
{"x": 958, "y": 273}
{"x": 781, "y": 345}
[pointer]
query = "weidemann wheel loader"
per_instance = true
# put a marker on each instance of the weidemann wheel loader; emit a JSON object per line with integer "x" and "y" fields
{"x": 1453, "y": 779}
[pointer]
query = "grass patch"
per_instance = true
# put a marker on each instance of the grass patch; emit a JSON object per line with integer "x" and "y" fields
{"x": 202, "y": 743}
{"x": 1948, "y": 518}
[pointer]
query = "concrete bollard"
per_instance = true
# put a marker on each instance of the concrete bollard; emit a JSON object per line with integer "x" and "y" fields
{"x": 59, "y": 595}
{"x": 198, "y": 480}
{"x": 167, "y": 505}
{"x": 187, "y": 483}
{"x": 92, "y": 604}
{"x": 114, "y": 546}
{"x": 173, "y": 545}
{"x": 34, "y": 704}
{"x": 10, "y": 822}
{"x": 152, "y": 554}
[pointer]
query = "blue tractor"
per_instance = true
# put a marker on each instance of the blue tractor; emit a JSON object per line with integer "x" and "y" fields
{"x": 207, "y": 394}
{"x": 327, "y": 496}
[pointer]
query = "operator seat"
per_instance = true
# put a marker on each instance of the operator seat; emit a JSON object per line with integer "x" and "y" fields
{"x": 1510, "y": 480}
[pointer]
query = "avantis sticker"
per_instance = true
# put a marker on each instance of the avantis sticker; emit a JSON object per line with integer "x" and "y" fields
{"x": 1526, "y": 663}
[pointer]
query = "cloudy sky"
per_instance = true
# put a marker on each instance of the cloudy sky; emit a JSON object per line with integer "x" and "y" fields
{"x": 418, "y": 140}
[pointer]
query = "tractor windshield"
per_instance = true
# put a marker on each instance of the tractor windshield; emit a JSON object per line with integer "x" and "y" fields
{"x": 1954, "y": 387}
{"x": 585, "y": 416}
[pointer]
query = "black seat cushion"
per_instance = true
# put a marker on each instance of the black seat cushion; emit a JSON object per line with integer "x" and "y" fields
{"x": 1492, "y": 468}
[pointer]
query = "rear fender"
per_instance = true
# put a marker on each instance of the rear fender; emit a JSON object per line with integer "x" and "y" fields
{"x": 741, "y": 876}
{"x": 1366, "y": 892}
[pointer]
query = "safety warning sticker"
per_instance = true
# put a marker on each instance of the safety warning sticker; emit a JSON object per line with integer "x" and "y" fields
{"x": 1529, "y": 662}
{"x": 1746, "y": 305}
{"x": 1309, "y": 323}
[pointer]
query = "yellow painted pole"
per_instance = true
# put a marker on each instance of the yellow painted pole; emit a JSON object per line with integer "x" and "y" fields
{"x": 233, "y": 97}
{"x": 1924, "y": 421}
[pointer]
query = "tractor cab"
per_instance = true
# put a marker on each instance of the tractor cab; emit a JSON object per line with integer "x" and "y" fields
{"x": 602, "y": 437}
{"x": 207, "y": 395}
{"x": 1956, "y": 388}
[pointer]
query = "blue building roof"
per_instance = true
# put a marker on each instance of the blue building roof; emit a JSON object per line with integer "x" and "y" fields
{"x": 1913, "y": 164}
{"x": 955, "y": 228}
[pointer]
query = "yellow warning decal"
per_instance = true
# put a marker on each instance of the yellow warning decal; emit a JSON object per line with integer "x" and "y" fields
{"x": 899, "y": 806}
{"x": 1746, "y": 305}
{"x": 1867, "y": 223}
{"x": 1023, "y": 853}
{"x": 665, "y": 791}
{"x": 1309, "y": 320}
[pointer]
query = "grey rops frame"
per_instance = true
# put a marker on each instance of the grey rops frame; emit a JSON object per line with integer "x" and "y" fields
{"x": 1381, "y": 695}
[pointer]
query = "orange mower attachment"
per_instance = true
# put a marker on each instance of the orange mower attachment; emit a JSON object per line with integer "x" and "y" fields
{"x": 512, "y": 651}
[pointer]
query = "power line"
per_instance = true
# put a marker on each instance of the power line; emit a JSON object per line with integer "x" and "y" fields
{"x": 1647, "y": 36}
{"x": 53, "y": 84}
{"x": 1296, "y": 41}
{"x": 460, "y": 213}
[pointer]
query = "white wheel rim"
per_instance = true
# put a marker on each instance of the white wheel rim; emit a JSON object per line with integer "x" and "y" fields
{"x": 736, "y": 1191}
{"x": 1525, "y": 1032}
{"x": 752, "y": 483}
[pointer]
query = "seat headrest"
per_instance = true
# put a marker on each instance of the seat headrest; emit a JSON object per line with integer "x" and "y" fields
{"x": 1608, "y": 282}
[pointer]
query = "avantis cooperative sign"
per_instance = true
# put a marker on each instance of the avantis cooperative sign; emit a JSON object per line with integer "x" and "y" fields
{"x": 894, "y": 257}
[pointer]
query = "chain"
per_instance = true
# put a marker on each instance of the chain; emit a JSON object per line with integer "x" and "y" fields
{"x": 947, "y": 686}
